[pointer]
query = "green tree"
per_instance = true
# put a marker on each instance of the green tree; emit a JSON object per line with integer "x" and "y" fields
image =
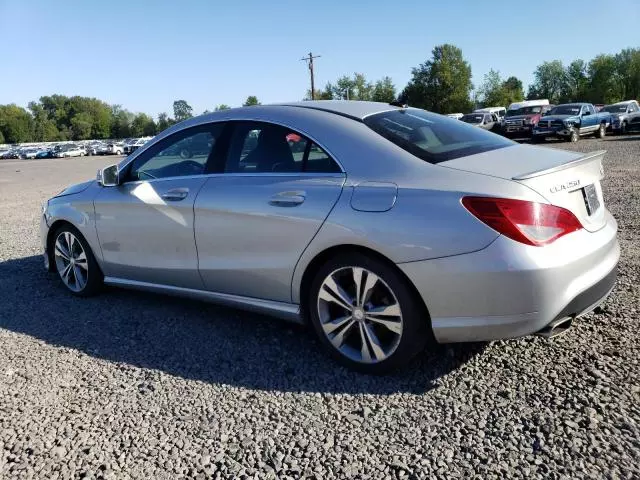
{"x": 384, "y": 91}
{"x": 628, "y": 71}
{"x": 143, "y": 125}
{"x": 550, "y": 82}
{"x": 121, "y": 122}
{"x": 182, "y": 110}
{"x": 16, "y": 124}
{"x": 44, "y": 129}
{"x": 605, "y": 85}
{"x": 576, "y": 82}
{"x": 325, "y": 94}
{"x": 251, "y": 101}
{"x": 81, "y": 124}
{"x": 512, "y": 91}
{"x": 350, "y": 88}
{"x": 441, "y": 84}
{"x": 1, "y": 138}
{"x": 222, "y": 106}
{"x": 494, "y": 92}
{"x": 164, "y": 122}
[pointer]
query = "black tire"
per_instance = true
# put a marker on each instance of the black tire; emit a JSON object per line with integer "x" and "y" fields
{"x": 537, "y": 139}
{"x": 601, "y": 131}
{"x": 574, "y": 136}
{"x": 94, "y": 275}
{"x": 416, "y": 326}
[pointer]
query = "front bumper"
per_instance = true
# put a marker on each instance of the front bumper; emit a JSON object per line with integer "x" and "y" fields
{"x": 549, "y": 133}
{"x": 509, "y": 289}
{"x": 514, "y": 130}
{"x": 44, "y": 233}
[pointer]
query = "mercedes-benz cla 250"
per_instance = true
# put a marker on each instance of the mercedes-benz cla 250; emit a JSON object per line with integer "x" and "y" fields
{"x": 384, "y": 227}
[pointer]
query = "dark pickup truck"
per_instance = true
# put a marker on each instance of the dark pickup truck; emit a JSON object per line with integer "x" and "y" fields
{"x": 571, "y": 121}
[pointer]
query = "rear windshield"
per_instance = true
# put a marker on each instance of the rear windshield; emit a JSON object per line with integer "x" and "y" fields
{"x": 433, "y": 137}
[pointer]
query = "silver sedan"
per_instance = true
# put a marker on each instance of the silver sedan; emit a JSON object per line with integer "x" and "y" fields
{"x": 384, "y": 227}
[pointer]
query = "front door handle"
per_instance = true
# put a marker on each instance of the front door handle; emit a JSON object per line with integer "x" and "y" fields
{"x": 287, "y": 199}
{"x": 175, "y": 195}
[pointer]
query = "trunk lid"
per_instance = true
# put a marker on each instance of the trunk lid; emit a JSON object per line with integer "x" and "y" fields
{"x": 567, "y": 179}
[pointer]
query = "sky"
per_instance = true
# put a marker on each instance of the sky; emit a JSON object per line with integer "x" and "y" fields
{"x": 144, "y": 54}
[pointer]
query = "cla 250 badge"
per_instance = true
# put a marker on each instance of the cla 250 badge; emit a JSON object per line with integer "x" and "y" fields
{"x": 565, "y": 186}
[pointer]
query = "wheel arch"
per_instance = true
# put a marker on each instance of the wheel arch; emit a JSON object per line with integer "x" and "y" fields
{"x": 55, "y": 226}
{"x": 322, "y": 257}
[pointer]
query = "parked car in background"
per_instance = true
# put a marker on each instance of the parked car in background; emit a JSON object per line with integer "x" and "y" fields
{"x": 500, "y": 112}
{"x": 570, "y": 121}
{"x": 621, "y": 114}
{"x": 521, "y": 117}
{"x": 457, "y": 116}
{"x": 137, "y": 143}
{"x": 486, "y": 121}
{"x": 44, "y": 153}
{"x": 115, "y": 148}
{"x": 28, "y": 153}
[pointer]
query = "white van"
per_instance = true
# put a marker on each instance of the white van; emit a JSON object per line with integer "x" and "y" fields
{"x": 499, "y": 111}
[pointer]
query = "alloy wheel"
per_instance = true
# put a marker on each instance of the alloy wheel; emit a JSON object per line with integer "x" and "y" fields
{"x": 360, "y": 314}
{"x": 71, "y": 261}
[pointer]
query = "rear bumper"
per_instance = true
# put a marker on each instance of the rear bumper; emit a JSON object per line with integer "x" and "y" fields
{"x": 509, "y": 289}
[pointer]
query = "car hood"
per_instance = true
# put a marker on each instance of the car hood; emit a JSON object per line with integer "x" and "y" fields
{"x": 558, "y": 117}
{"x": 520, "y": 117}
{"x": 77, "y": 188}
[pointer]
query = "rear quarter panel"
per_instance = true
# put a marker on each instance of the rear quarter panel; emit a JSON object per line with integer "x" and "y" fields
{"x": 427, "y": 220}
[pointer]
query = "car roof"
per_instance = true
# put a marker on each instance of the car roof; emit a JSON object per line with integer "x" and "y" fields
{"x": 625, "y": 102}
{"x": 348, "y": 108}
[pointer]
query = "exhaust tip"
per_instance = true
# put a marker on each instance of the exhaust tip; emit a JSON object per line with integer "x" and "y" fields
{"x": 556, "y": 327}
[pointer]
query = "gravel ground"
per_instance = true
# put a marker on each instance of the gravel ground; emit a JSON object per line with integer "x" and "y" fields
{"x": 130, "y": 385}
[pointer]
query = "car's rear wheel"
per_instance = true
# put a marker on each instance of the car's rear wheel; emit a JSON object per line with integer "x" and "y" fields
{"x": 366, "y": 314}
{"x": 601, "y": 131}
{"x": 75, "y": 263}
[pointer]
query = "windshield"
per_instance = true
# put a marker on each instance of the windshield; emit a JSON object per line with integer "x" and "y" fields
{"x": 565, "y": 110}
{"x": 615, "y": 108}
{"x": 472, "y": 118}
{"x": 432, "y": 137}
{"x": 524, "y": 111}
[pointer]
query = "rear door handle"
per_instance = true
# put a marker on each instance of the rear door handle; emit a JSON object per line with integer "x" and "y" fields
{"x": 176, "y": 194}
{"x": 287, "y": 199}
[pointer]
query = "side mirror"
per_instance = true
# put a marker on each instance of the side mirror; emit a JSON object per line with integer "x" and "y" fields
{"x": 109, "y": 176}
{"x": 587, "y": 113}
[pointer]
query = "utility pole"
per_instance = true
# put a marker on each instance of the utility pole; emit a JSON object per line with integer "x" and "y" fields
{"x": 309, "y": 61}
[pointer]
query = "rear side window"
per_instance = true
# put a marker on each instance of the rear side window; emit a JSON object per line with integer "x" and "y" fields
{"x": 434, "y": 138}
{"x": 259, "y": 147}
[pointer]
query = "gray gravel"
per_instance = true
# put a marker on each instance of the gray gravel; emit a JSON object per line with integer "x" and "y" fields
{"x": 130, "y": 385}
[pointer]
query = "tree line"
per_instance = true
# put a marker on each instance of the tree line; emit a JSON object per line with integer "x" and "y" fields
{"x": 442, "y": 84}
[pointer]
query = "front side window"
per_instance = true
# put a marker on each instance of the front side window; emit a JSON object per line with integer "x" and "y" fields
{"x": 432, "y": 137}
{"x": 181, "y": 154}
{"x": 258, "y": 147}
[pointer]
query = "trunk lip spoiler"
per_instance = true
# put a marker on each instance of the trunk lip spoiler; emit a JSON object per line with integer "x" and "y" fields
{"x": 563, "y": 166}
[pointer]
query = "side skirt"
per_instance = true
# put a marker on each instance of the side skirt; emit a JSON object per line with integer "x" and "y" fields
{"x": 286, "y": 311}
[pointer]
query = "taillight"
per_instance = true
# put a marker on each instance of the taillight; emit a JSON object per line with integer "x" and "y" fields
{"x": 526, "y": 222}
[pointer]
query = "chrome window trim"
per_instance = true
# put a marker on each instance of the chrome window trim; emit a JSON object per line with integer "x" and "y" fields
{"x": 243, "y": 118}
{"x": 257, "y": 174}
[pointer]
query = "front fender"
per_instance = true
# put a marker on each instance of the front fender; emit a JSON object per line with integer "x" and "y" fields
{"x": 78, "y": 210}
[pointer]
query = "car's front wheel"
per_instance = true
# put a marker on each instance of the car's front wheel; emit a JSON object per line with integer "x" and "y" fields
{"x": 574, "y": 136}
{"x": 75, "y": 263}
{"x": 366, "y": 314}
